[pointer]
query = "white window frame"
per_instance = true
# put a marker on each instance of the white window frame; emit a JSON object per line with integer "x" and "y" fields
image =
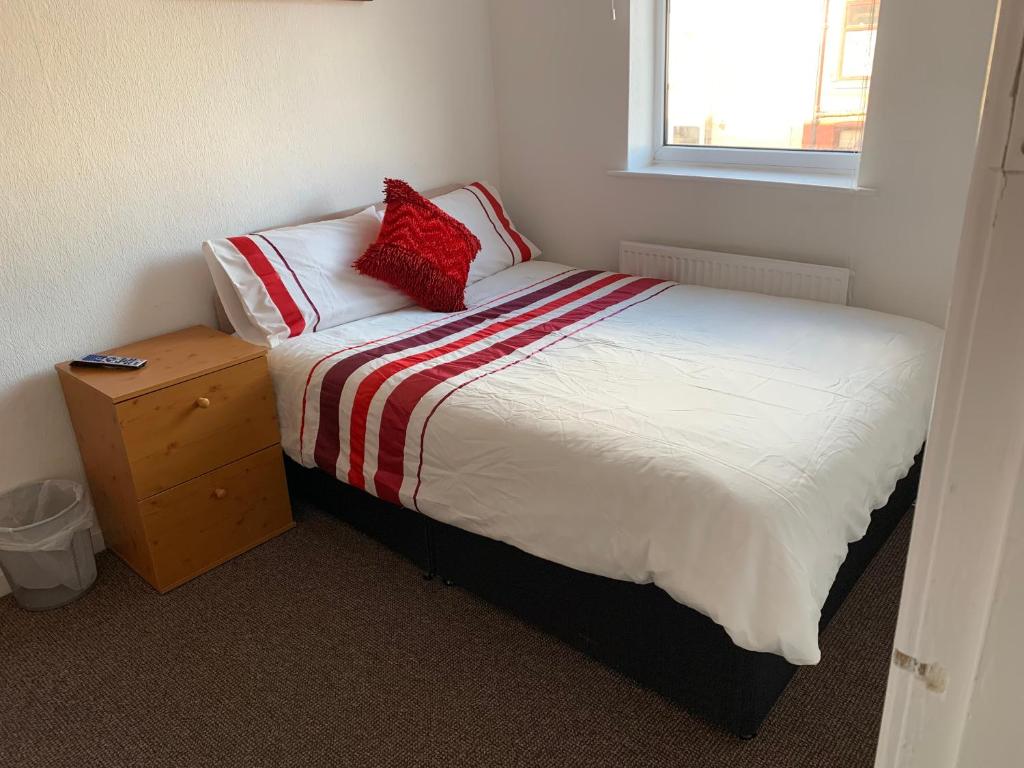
{"x": 796, "y": 160}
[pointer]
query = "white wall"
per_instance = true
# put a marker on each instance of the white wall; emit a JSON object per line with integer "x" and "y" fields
{"x": 562, "y": 77}
{"x": 131, "y": 130}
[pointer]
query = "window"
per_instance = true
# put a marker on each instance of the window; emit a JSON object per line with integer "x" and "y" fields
{"x": 858, "y": 40}
{"x": 765, "y": 82}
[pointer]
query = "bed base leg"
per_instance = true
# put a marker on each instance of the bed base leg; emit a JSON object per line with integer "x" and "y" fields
{"x": 428, "y": 541}
{"x": 431, "y": 546}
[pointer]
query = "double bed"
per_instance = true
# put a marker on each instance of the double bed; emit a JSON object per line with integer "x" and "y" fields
{"x": 669, "y": 477}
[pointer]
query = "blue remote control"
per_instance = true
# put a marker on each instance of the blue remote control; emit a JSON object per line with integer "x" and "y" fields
{"x": 109, "y": 361}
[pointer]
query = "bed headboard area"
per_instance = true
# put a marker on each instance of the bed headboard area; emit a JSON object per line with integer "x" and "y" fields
{"x": 222, "y": 319}
{"x": 223, "y": 323}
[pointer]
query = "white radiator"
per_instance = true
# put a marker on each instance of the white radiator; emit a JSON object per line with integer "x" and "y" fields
{"x": 739, "y": 273}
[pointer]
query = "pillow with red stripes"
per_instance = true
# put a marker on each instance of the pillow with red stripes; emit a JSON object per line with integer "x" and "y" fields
{"x": 298, "y": 280}
{"x": 421, "y": 250}
{"x": 480, "y": 208}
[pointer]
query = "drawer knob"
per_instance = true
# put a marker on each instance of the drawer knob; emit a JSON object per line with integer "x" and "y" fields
{"x": 203, "y": 402}
{"x": 220, "y": 493}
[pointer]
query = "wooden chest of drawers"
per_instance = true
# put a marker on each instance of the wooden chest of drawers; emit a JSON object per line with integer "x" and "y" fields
{"x": 183, "y": 456}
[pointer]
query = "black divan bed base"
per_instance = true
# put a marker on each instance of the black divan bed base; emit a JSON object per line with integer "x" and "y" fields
{"x": 636, "y": 629}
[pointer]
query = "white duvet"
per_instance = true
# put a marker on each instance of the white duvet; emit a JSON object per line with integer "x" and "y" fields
{"x": 726, "y": 446}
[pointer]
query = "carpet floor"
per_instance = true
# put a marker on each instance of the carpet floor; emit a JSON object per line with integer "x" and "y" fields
{"x": 323, "y": 648}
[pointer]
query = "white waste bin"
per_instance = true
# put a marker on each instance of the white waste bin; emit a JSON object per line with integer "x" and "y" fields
{"x": 46, "y": 543}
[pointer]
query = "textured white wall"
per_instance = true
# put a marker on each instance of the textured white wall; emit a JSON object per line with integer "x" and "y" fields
{"x": 562, "y": 76}
{"x": 131, "y": 130}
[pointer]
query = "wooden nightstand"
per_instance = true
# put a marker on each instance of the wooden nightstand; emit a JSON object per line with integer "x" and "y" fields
{"x": 183, "y": 456}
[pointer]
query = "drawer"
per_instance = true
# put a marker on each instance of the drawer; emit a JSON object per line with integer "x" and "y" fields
{"x": 183, "y": 431}
{"x": 207, "y": 521}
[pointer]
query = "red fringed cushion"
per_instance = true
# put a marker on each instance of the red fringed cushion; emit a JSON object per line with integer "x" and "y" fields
{"x": 421, "y": 250}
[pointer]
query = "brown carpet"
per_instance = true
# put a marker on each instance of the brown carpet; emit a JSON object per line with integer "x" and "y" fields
{"x": 322, "y": 648}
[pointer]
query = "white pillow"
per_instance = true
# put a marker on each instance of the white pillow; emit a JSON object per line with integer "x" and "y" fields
{"x": 231, "y": 304}
{"x": 300, "y": 280}
{"x": 479, "y": 207}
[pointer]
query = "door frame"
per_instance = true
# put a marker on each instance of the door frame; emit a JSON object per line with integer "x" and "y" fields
{"x": 975, "y": 448}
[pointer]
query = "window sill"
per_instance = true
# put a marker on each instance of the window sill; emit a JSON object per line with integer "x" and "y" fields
{"x": 798, "y": 178}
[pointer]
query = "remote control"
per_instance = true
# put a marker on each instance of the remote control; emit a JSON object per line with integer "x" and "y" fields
{"x": 110, "y": 361}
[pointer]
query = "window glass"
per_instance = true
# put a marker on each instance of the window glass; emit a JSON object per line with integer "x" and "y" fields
{"x": 787, "y": 74}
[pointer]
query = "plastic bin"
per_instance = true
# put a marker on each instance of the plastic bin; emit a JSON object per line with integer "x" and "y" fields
{"x": 46, "y": 543}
